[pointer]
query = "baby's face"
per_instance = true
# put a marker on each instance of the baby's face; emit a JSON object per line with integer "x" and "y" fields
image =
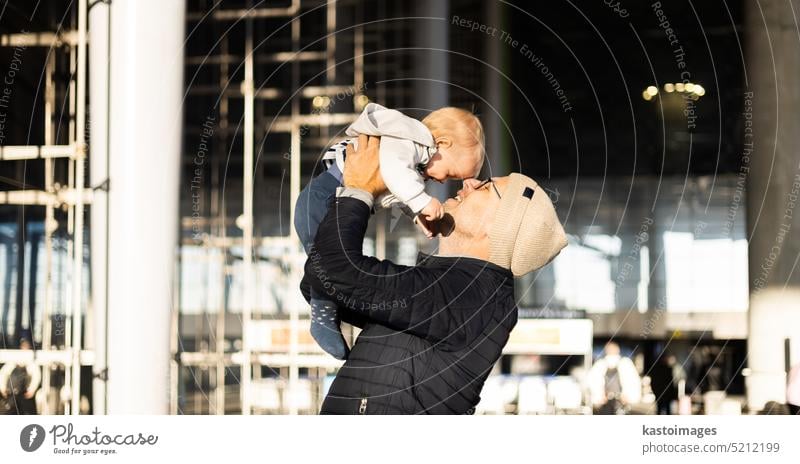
{"x": 438, "y": 167}
{"x": 446, "y": 164}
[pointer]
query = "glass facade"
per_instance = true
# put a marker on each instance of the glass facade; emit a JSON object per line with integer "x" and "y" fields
{"x": 674, "y": 244}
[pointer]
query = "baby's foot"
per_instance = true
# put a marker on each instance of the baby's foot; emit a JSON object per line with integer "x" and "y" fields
{"x": 325, "y": 328}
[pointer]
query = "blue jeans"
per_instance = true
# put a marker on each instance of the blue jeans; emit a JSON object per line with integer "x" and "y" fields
{"x": 313, "y": 204}
{"x": 311, "y": 208}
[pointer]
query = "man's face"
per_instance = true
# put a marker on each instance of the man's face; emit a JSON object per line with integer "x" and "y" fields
{"x": 471, "y": 214}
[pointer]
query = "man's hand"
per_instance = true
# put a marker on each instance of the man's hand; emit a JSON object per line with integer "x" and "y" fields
{"x": 362, "y": 167}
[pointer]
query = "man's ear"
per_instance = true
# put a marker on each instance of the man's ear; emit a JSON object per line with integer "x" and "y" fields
{"x": 443, "y": 141}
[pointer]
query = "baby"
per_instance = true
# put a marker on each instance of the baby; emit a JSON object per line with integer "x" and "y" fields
{"x": 447, "y": 144}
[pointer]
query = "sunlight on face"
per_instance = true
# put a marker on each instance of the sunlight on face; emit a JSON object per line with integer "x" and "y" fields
{"x": 473, "y": 210}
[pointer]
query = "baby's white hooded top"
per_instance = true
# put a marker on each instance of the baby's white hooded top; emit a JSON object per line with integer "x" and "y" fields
{"x": 406, "y": 146}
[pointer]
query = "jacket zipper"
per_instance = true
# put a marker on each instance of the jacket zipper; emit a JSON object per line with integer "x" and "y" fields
{"x": 362, "y": 408}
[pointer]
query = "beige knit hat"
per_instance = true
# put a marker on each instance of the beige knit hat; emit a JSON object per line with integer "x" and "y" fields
{"x": 526, "y": 233}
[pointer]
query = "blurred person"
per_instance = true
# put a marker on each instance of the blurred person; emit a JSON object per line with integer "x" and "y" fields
{"x": 614, "y": 382}
{"x": 431, "y": 333}
{"x": 793, "y": 390}
{"x": 695, "y": 377}
{"x": 705, "y": 372}
{"x": 714, "y": 377}
{"x": 774, "y": 408}
{"x": 19, "y": 382}
{"x": 447, "y": 144}
{"x": 665, "y": 376}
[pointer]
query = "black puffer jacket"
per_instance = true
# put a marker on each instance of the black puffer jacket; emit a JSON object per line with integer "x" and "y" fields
{"x": 431, "y": 332}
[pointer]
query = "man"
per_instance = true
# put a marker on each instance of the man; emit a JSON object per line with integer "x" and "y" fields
{"x": 19, "y": 382}
{"x": 614, "y": 382}
{"x": 665, "y": 377}
{"x": 793, "y": 390}
{"x": 431, "y": 332}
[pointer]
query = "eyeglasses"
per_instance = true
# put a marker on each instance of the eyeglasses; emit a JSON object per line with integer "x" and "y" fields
{"x": 489, "y": 181}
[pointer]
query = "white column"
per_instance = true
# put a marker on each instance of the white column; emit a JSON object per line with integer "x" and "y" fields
{"x": 773, "y": 219}
{"x": 144, "y": 145}
{"x": 98, "y": 161}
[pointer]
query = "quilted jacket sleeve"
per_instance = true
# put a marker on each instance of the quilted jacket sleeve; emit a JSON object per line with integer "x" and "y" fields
{"x": 404, "y": 298}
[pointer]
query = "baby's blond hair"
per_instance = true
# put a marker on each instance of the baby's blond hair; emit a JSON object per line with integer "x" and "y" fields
{"x": 463, "y": 128}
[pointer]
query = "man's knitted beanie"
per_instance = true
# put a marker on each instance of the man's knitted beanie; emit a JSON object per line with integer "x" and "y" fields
{"x": 526, "y": 233}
